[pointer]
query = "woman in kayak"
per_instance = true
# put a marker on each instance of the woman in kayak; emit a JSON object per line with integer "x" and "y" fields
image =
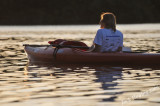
{"x": 108, "y": 38}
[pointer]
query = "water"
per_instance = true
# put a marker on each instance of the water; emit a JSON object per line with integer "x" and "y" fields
{"x": 22, "y": 83}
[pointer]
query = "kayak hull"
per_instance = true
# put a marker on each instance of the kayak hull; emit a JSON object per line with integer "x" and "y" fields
{"x": 68, "y": 55}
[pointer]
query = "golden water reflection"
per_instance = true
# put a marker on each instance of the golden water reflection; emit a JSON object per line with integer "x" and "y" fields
{"x": 23, "y": 83}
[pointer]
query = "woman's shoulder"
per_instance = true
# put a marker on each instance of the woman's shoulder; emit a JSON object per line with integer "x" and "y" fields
{"x": 108, "y": 30}
{"x": 119, "y": 32}
{"x": 100, "y": 30}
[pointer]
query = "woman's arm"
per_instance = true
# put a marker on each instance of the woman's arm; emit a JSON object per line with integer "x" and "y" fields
{"x": 119, "y": 49}
{"x": 95, "y": 48}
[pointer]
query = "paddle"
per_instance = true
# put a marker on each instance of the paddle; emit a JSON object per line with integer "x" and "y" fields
{"x": 55, "y": 45}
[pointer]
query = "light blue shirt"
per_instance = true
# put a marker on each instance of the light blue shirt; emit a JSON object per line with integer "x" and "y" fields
{"x": 109, "y": 40}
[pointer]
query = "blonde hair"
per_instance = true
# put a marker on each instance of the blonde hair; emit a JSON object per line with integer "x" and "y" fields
{"x": 109, "y": 20}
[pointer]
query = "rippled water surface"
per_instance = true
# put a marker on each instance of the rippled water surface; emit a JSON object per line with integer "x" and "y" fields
{"x": 23, "y": 83}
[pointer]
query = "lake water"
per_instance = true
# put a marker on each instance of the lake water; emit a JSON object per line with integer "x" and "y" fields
{"x": 22, "y": 83}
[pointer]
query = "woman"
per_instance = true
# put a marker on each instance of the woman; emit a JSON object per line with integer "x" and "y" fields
{"x": 108, "y": 38}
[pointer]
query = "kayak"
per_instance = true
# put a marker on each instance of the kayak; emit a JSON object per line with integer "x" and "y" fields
{"x": 72, "y": 55}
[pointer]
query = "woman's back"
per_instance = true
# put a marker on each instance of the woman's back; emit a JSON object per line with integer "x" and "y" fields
{"x": 109, "y": 40}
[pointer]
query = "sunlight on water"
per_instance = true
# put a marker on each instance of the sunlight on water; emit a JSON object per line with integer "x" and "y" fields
{"x": 23, "y": 83}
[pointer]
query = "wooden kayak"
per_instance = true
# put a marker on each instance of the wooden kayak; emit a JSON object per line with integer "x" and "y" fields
{"x": 70, "y": 55}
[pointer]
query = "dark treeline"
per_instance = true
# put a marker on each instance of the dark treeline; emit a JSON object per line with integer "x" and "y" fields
{"x": 49, "y": 12}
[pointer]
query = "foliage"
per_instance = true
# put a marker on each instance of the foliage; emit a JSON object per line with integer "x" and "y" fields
{"x": 46, "y": 12}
